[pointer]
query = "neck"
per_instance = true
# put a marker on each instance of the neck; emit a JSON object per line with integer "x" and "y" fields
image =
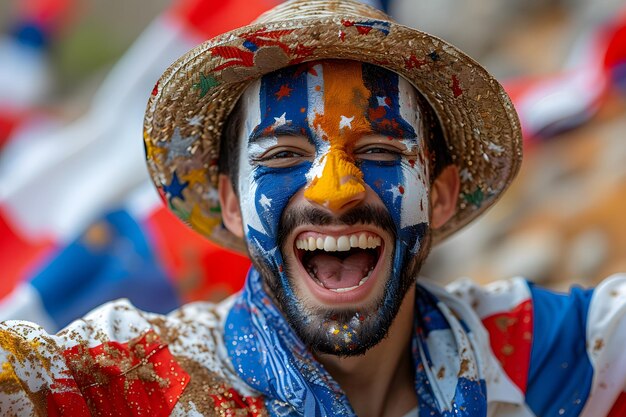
{"x": 385, "y": 369}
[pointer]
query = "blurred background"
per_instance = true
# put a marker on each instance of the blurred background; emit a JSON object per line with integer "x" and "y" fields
{"x": 80, "y": 224}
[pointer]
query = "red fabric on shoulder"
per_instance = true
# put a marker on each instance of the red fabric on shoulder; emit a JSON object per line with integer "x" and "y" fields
{"x": 619, "y": 408}
{"x": 137, "y": 378}
{"x": 510, "y": 335}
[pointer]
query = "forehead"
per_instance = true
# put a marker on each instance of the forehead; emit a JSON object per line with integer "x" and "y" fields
{"x": 332, "y": 94}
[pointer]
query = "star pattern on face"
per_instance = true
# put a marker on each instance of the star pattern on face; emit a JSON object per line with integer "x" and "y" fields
{"x": 265, "y": 202}
{"x": 396, "y": 191}
{"x": 268, "y": 254}
{"x": 382, "y": 101}
{"x": 179, "y": 146}
{"x": 195, "y": 120}
{"x": 259, "y": 242}
{"x": 409, "y": 143}
{"x": 346, "y": 122}
{"x": 283, "y": 91}
{"x": 416, "y": 247}
{"x": 282, "y": 120}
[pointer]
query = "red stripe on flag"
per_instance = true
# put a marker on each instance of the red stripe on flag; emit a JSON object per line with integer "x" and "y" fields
{"x": 209, "y": 18}
{"x": 616, "y": 43}
{"x": 619, "y": 407}
{"x": 200, "y": 269}
{"x": 18, "y": 255}
{"x": 9, "y": 120}
{"x": 51, "y": 14}
{"x": 510, "y": 334}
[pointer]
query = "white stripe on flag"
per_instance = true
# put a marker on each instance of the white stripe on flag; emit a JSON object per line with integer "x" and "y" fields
{"x": 61, "y": 181}
{"x": 24, "y": 303}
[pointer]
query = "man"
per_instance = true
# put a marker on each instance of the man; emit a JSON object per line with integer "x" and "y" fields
{"x": 349, "y": 144}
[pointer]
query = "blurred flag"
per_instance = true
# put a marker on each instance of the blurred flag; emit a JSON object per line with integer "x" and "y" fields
{"x": 56, "y": 187}
{"x": 24, "y": 84}
{"x": 24, "y": 74}
{"x": 553, "y": 104}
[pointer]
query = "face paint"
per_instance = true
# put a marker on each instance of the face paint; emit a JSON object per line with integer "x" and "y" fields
{"x": 340, "y": 123}
{"x": 338, "y": 131}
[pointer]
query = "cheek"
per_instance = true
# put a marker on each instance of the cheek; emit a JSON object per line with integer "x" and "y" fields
{"x": 386, "y": 179}
{"x": 273, "y": 188}
{"x": 402, "y": 187}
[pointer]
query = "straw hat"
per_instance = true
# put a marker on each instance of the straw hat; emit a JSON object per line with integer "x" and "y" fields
{"x": 192, "y": 99}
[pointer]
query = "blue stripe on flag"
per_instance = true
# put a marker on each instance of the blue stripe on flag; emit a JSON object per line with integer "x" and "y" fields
{"x": 111, "y": 260}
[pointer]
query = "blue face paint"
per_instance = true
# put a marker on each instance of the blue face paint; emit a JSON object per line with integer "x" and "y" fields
{"x": 298, "y": 102}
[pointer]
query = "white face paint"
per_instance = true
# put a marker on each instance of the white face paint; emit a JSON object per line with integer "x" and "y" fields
{"x": 315, "y": 94}
{"x": 315, "y": 137}
{"x": 247, "y": 185}
{"x": 326, "y": 112}
{"x": 416, "y": 180}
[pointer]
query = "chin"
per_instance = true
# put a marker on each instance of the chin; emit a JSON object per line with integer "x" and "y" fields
{"x": 345, "y": 322}
{"x": 343, "y": 280}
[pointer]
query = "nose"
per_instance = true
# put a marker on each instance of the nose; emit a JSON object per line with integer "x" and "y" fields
{"x": 340, "y": 186}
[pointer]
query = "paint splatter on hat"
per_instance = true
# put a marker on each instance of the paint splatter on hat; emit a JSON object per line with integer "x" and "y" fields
{"x": 193, "y": 98}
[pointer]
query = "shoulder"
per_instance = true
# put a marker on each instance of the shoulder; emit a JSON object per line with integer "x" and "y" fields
{"x": 562, "y": 350}
{"x": 606, "y": 337}
{"x": 120, "y": 352}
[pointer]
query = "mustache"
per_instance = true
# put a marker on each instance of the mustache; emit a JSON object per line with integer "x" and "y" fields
{"x": 365, "y": 215}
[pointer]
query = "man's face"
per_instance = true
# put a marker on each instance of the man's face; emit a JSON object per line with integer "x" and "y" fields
{"x": 333, "y": 190}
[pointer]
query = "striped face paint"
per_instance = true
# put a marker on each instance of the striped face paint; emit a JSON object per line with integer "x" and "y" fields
{"x": 329, "y": 133}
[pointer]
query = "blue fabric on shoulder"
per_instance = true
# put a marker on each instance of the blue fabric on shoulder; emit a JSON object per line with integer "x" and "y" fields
{"x": 560, "y": 374}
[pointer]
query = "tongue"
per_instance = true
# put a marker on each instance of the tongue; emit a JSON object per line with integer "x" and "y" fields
{"x": 336, "y": 273}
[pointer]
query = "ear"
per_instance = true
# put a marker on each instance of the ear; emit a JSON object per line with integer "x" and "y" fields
{"x": 229, "y": 203}
{"x": 444, "y": 194}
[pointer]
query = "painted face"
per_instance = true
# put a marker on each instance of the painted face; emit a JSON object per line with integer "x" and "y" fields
{"x": 334, "y": 196}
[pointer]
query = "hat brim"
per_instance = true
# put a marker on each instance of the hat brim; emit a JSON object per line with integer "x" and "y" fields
{"x": 193, "y": 98}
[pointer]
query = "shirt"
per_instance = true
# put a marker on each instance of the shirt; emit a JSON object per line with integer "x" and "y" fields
{"x": 544, "y": 354}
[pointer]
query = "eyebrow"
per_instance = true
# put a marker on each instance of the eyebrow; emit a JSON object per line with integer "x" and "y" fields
{"x": 284, "y": 130}
{"x": 397, "y": 131}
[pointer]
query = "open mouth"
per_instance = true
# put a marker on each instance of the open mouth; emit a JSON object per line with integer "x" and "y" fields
{"x": 339, "y": 263}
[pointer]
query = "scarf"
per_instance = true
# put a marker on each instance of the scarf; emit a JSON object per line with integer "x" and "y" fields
{"x": 268, "y": 356}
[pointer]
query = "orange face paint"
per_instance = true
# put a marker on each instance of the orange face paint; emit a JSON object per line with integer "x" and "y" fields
{"x": 342, "y": 123}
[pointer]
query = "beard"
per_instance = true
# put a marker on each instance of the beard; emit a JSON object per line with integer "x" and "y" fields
{"x": 345, "y": 331}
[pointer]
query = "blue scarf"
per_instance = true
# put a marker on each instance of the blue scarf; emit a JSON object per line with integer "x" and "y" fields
{"x": 269, "y": 357}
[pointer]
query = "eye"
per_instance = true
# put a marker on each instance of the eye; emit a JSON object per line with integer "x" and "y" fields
{"x": 285, "y": 154}
{"x": 378, "y": 152}
{"x": 282, "y": 157}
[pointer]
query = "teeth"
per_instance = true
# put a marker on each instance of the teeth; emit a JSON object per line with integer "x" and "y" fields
{"x": 330, "y": 244}
{"x": 342, "y": 243}
{"x": 363, "y": 241}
